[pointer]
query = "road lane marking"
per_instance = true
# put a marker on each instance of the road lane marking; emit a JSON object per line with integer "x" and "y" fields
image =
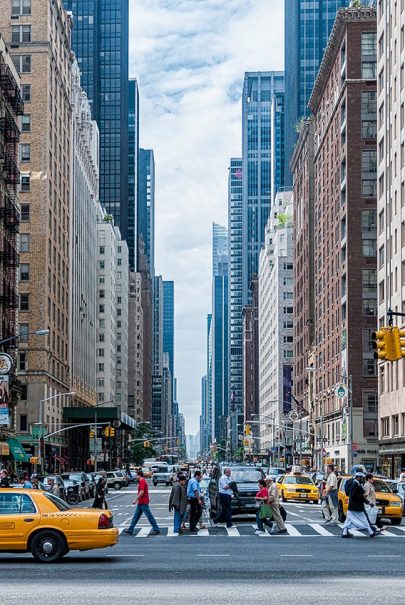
{"x": 296, "y": 555}
{"x": 203, "y": 533}
{"x": 289, "y": 512}
{"x": 384, "y": 556}
{"x": 321, "y": 530}
{"x": 389, "y": 534}
{"x": 170, "y": 533}
{"x": 233, "y": 532}
{"x": 213, "y": 555}
{"x": 291, "y": 530}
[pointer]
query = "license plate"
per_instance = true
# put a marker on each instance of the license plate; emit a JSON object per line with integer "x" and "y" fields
{"x": 303, "y": 495}
{"x": 250, "y": 505}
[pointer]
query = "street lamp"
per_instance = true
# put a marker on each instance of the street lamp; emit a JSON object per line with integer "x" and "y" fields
{"x": 40, "y": 422}
{"x": 42, "y": 332}
{"x": 349, "y": 380}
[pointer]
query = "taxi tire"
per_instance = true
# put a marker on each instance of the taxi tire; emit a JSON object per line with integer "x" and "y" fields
{"x": 73, "y": 499}
{"x": 341, "y": 515}
{"x": 396, "y": 521}
{"x": 53, "y": 537}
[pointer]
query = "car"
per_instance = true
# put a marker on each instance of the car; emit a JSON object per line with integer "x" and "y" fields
{"x": 59, "y": 482}
{"x": 73, "y": 491}
{"x": 115, "y": 479}
{"x": 147, "y": 473}
{"x": 92, "y": 483}
{"x": 38, "y": 522}
{"x": 389, "y": 504}
{"x": 275, "y": 472}
{"x": 163, "y": 475}
{"x": 246, "y": 478}
{"x": 398, "y": 487}
{"x": 297, "y": 487}
{"x": 82, "y": 479}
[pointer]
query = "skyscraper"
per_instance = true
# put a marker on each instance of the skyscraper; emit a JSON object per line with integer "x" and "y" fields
{"x": 133, "y": 155}
{"x": 146, "y": 206}
{"x": 219, "y": 246}
{"x": 235, "y": 259}
{"x": 100, "y": 42}
{"x": 307, "y": 28}
{"x": 168, "y": 322}
{"x": 263, "y": 163}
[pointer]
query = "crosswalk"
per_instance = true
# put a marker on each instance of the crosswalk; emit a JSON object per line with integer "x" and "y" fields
{"x": 303, "y": 530}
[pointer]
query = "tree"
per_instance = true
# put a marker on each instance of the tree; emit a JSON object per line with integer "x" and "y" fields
{"x": 143, "y": 432}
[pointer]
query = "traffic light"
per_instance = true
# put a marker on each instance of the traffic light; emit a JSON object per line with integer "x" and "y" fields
{"x": 248, "y": 429}
{"x": 92, "y": 434}
{"x": 386, "y": 341}
{"x": 146, "y": 444}
{"x": 112, "y": 431}
{"x": 107, "y": 431}
{"x": 401, "y": 338}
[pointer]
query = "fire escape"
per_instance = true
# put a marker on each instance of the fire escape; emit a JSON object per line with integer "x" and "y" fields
{"x": 11, "y": 106}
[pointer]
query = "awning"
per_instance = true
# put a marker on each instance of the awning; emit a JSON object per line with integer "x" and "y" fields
{"x": 59, "y": 459}
{"x": 17, "y": 450}
{"x": 4, "y": 449}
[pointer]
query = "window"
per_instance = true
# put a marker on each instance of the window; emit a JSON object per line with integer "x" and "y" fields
{"x": 101, "y": 264}
{"x": 20, "y": 7}
{"x": 101, "y": 308}
{"x": 22, "y": 361}
{"x": 385, "y": 427}
{"x": 16, "y": 504}
{"x": 24, "y": 302}
{"x": 101, "y": 367}
{"x": 287, "y": 295}
{"x": 369, "y": 172}
{"x": 23, "y": 423}
{"x": 26, "y": 93}
{"x": 395, "y": 425}
{"x": 20, "y": 33}
{"x": 369, "y": 247}
{"x": 369, "y": 55}
{"x": 287, "y": 339}
{"x": 23, "y": 332}
{"x": 101, "y": 249}
{"x": 100, "y": 352}
{"x": 288, "y": 324}
{"x": 22, "y": 63}
{"x": 25, "y": 152}
{"x": 288, "y": 310}
{"x": 26, "y": 123}
{"x": 24, "y": 242}
{"x": 25, "y": 182}
{"x": 370, "y": 401}
{"x": 25, "y": 213}
{"x": 24, "y": 272}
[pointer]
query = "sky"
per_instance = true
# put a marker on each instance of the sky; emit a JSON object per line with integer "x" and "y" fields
{"x": 189, "y": 57}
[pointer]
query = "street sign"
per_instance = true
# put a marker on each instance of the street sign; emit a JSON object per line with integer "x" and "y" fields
{"x": 341, "y": 391}
{"x": 240, "y": 437}
{"x": 355, "y": 446}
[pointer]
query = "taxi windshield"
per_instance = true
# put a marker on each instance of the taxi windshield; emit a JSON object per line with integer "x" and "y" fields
{"x": 58, "y": 502}
{"x": 298, "y": 480}
{"x": 248, "y": 475}
{"x": 380, "y": 486}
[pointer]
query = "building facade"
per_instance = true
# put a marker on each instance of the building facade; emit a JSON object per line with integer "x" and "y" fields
{"x": 307, "y": 26}
{"x": 100, "y": 43}
{"x": 219, "y": 371}
{"x": 168, "y": 322}
{"x": 135, "y": 347}
{"x": 133, "y": 157}
{"x": 146, "y": 206}
{"x": 391, "y": 233}
{"x": 251, "y": 364}
{"x": 121, "y": 325}
{"x": 157, "y": 352}
{"x": 85, "y": 175}
{"x": 345, "y": 166}
{"x": 235, "y": 304}
{"x": 276, "y": 305}
{"x": 38, "y": 34}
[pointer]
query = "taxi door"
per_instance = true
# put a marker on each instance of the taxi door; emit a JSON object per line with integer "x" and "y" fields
{"x": 18, "y": 516}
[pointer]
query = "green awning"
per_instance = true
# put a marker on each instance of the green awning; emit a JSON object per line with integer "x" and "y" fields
{"x": 17, "y": 450}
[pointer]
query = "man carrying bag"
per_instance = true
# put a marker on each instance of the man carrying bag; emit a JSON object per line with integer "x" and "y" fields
{"x": 263, "y": 512}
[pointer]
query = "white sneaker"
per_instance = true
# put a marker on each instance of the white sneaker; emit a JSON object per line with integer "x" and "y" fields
{"x": 259, "y": 532}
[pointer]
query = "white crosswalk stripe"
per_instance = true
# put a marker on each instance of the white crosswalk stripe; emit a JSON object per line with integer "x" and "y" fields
{"x": 320, "y": 529}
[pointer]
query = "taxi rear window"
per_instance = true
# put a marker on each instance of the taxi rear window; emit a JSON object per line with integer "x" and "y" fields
{"x": 58, "y": 502}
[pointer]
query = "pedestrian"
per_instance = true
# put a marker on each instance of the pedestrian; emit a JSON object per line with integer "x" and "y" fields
{"x": 402, "y": 474}
{"x": 194, "y": 497}
{"x": 178, "y": 502}
{"x": 331, "y": 495}
{"x": 142, "y": 506}
{"x": 369, "y": 492}
{"x": 225, "y": 499}
{"x": 262, "y": 498}
{"x": 99, "y": 499}
{"x": 54, "y": 487}
{"x": 4, "y": 478}
{"x": 356, "y": 517}
{"x": 274, "y": 501}
{"x": 25, "y": 481}
{"x": 34, "y": 481}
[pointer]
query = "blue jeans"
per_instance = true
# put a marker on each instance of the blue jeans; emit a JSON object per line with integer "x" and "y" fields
{"x": 262, "y": 522}
{"x": 143, "y": 508}
{"x": 178, "y": 520}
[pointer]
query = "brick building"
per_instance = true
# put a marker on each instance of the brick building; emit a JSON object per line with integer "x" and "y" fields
{"x": 250, "y": 324}
{"x": 38, "y": 35}
{"x": 343, "y": 102}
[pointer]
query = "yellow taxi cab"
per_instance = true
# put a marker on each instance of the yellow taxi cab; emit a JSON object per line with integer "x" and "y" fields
{"x": 147, "y": 472}
{"x": 43, "y": 524}
{"x": 389, "y": 504}
{"x": 297, "y": 487}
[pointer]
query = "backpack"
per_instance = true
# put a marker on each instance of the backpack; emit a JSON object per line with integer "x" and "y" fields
{"x": 348, "y": 486}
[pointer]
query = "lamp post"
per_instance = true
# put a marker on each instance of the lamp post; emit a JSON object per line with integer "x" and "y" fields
{"x": 40, "y": 423}
{"x": 42, "y": 332}
{"x": 349, "y": 380}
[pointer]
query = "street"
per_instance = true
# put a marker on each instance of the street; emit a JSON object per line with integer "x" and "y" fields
{"x": 311, "y": 564}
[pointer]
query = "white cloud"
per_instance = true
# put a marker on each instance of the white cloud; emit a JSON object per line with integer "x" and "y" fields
{"x": 190, "y": 57}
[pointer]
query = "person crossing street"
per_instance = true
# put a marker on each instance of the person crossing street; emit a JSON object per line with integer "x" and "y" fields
{"x": 142, "y": 506}
{"x": 178, "y": 503}
{"x": 194, "y": 496}
{"x": 331, "y": 496}
{"x": 274, "y": 501}
{"x": 356, "y": 517}
{"x": 225, "y": 498}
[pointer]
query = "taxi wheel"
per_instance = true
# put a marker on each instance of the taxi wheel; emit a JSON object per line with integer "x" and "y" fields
{"x": 396, "y": 521}
{"x": 117, "y": 485}
{"x": 48, "y": 547}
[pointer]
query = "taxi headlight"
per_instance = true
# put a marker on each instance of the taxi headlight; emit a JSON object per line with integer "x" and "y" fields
{"x": 290, "y": 489}
{"x": 395, "y": 504}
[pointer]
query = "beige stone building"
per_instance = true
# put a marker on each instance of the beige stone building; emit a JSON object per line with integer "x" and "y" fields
{"x": 38, "y": 35}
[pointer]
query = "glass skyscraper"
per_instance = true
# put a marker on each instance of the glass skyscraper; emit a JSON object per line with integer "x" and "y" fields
{"x": 262, "y": 162}
{"x": 100, "y": 42}
{"x": 146, "y": 205}
{"x": 307, "y": 27}
{"x": 168, "y": 322}
{"x": 133, "y": 154}
{"x": 235, "y": 259}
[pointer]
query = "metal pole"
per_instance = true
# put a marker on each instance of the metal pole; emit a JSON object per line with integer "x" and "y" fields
{"x": 350, "y": 453}
{"x": 321, "y": 452}
{"x": 95, "y": 440}
{"x": 300, "y": 442}
{"x": 40, "y": 422}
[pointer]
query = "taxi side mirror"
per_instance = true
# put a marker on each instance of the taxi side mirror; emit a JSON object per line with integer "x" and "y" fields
{"x": 394, "y": 491}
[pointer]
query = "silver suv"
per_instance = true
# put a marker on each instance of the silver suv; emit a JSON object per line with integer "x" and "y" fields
{"x": 165, "y": 474}
{"x": 116, "y": 479}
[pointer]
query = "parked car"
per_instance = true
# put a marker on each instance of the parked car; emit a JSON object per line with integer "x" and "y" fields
{"x": 51, "y": 528}
{"x": 246, "y": 478}
{"x": 163, "y": 475}
{"x": 73, "y": 491}
{"x": 82, "y": 479}
{"x": 59, "y": 482}
{"x": 115, "y": 479}
{"x": 92, "y": 483}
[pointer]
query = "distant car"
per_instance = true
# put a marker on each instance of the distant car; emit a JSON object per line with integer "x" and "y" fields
{"x": 163, "y": 475}
{"x": 81, "y": 478}
{"x": 398, "y": 487}
{"x": 297, "y": 487}
{"x": 59, "y": 482}
{"x": 115, "y": 479}
{"x": 73, "y": 491}
{"x": 147, "y": 473}
{"x": 274, "y": 472}
{"x": 92, "y": 484}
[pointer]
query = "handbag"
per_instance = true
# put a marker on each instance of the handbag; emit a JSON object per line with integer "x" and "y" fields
{"x": 265, "y": 511}
{"x": 371, "y": 512}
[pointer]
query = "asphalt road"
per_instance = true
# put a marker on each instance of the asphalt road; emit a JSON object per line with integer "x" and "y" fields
{"x": 305, "y": 567}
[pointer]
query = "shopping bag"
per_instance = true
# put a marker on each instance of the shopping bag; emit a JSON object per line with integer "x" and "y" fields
{"x": 371, "y": 514}
{"x": 265, "y": 512}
